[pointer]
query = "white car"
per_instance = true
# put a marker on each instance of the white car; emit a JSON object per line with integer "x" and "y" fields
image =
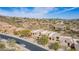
{"x": 23, "y": 45}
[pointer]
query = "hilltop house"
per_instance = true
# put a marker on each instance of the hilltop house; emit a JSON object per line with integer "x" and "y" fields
{"x": 54, "y": 36}
{"x": 65, "y": 40}
{"x": 36, "y": 33}
{"x": 60, "y": 26}
{"x": 76, "y": 42}
{"x": 45, "y": 32}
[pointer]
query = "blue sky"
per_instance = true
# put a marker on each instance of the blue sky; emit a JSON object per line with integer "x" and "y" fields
{"x": 41, "y": 12}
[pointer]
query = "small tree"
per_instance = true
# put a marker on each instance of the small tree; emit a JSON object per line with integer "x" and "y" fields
{"x": 23, "y": 33}
{"x": 54, "y": 46}
{"x": 15, "y": 32}
{"x": 43, "y": 40}
{"x": 2, "y": 45}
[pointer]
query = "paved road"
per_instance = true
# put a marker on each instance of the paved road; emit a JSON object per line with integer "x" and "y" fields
{"x": 29, "y": 45}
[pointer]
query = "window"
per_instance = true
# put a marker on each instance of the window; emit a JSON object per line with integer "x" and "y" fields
{"x": 68, "y": 44}
{"x": 49, "y": 38}
{"x": 33, "y": 33}
{"x": 77, "y": 42}
{"x": 57, "y": 37}
{"x": 53, "y": 39}
{"x": 65, "y": 41}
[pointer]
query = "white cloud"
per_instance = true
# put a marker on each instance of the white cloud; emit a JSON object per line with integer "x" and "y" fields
{"x": 66, "y": 10}
{"x": 37, "y": 12}
{"x": 24, "y": 12}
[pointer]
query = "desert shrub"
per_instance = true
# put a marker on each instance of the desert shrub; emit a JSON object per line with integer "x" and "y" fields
{"x": 15, "y": 33}
{"x": 43, "y": 40}
{"x": 23, "y": 33}
{"x": 54, "y": 46}
{"x": 11, "y": 42}
{"x": 2, "y": 45}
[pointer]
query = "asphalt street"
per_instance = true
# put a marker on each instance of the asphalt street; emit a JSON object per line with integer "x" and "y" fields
{"x": 28, "y": 45}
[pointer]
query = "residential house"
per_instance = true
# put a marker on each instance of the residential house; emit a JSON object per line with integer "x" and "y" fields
{"x": 36, "y": 33}
{"x": 54, "y": 36}
{"x": 65, "y": 40}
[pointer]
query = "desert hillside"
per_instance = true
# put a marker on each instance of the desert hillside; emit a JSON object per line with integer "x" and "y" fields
{"x": 59, "y": 25}
{"x": 54, "y": 34}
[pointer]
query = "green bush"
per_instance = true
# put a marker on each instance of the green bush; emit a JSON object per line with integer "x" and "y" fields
{"x": 16, "y": 33}
{"x": 23, "y": 33}
{"x": 43, "y": 40}
{"x": 2, "y": 45}
{"x": 54, "y": 46}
